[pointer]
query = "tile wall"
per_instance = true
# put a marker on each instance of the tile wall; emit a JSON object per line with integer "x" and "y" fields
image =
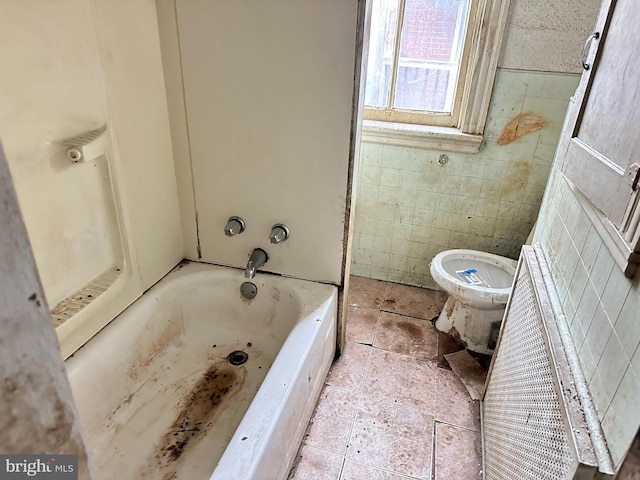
{"x": 602, "y": 309}
{"x": 410, "y": 207}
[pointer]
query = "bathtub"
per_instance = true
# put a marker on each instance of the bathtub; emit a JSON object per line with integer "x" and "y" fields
{"x": 159, "y": 393}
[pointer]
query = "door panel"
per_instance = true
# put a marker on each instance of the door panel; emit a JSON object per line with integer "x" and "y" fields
{"x": 604, "y": 144}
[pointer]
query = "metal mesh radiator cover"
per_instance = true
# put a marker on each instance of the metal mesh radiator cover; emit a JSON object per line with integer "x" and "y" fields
{"x": 532, "y": 421}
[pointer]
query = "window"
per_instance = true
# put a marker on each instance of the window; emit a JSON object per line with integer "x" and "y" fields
{"x": 430, "y": 71}
{"x": 414, "y": 60}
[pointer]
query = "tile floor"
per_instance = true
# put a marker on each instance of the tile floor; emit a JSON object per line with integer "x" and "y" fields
{"x": 391, "y": 408}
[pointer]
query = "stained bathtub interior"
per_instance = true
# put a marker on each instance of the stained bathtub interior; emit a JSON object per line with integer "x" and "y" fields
{"x": 185, "y": 362}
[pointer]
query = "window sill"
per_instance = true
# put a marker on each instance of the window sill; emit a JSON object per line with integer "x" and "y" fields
{"x": 421, "y": 136}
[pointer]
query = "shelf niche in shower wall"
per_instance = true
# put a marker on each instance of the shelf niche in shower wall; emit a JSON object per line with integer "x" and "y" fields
{"x": 87, "y": 219}
{"x": 100, "y": 204}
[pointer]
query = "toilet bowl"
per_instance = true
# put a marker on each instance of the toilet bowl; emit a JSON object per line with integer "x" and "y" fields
{"x": 478, "y": 285}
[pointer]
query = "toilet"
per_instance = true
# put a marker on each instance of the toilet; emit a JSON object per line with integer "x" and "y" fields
{"x": 478, "y": 285}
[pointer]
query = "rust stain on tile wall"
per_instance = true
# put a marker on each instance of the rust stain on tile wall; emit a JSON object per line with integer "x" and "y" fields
{"x": 520, "y": 125}
{"x": 517, "y": 177}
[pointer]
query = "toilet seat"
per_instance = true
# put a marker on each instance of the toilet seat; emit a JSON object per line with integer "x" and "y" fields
{"x": 495, "y": 271}
{"x": 479, "y": 285}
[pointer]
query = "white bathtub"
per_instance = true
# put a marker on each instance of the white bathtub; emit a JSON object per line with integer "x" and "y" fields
{"x": 158, "y": 399}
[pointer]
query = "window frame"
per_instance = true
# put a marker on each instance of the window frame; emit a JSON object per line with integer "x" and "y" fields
{"x": 423, "y": 117}
{"x": 485, "y": 29}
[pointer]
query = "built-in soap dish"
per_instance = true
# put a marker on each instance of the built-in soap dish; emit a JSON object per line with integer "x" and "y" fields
{"x": 76, "y": 302}
{"x": 87, "y": 146}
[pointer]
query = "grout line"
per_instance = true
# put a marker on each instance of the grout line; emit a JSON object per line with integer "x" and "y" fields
{"x": 457, "y": 426}
{"x": 375, "y": 328}
{"x": 430, "y": 320}
{"x": 386, "y": 289}
{"x": 433, "y": 450}
{"x": 344, "y": 461}
{"x": 322, "y": 449}
{"x": 386, "y": 470}
{"x": 366, "y": 371}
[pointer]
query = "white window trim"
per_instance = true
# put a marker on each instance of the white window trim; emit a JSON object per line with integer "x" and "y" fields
{"x": 421, "y": 136}
{"x": 489, "y": 25}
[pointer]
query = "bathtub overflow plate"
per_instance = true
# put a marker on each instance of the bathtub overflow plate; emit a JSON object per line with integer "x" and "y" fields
{"x": 248, "y": 290}
{"x": 238, "y": 357}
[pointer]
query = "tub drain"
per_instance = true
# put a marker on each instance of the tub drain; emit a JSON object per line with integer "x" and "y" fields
{"x": 237, "y": 358}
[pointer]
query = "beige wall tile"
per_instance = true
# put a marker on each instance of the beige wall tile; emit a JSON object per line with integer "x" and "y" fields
{"x": 504, "y": 182}
{"x": 601, "y": 306}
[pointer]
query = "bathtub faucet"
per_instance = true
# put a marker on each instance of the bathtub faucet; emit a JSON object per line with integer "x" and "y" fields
{"x": 256, "y": 260}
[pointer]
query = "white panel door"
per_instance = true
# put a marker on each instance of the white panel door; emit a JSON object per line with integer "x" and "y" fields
{"x": 603, "y": 137}
{"x": 605, "y": 143}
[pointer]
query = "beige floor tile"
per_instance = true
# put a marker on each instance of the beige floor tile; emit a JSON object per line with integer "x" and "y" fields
{"x": 385, "y": 398}
{"x": 382, "y": 362}
{"x": 346, "y": 376}
{"x": 355, "y": 282}
{"x": 402, "y": 379}
{"x": 329, "y": 433}
{"x": 369, "y": 445}
{"x": 376, "y": 411}
{"x": 393, "y": 438}
{"x": 449, "y": 385}
{"x": 454, "y": 405}
{"x": 457, "y": 453}
{"x": 356, "y": 354}
{"x": 410, "y": 458}
{"x": 456, "y": 469}
{"x": 355, "y": 471}
{"x": 469, "y": 371}
{"x": 396, "y": 420}
{"x": 417, "y": 384}
{"x": 461, "y": 412}
{"x": 406, "y": 335}
{"x": 365, "y": 292}
{"x": 383, "y": 378}
{"x": 407, "y": 432}
{"x": 337, "y": 402}
{"x": 413, "y": 394}
{"x": 458, "y": 443}
{"x": 349, "y": 370}
{"x": 317, "y": 464}
{"x": 413, "y": 301}
{"x": 414, "y": 426}
{"x": 361, "y": 324}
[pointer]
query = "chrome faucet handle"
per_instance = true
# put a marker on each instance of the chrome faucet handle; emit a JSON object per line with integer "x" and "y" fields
{"x": 235, "y": 225}
{"x": 279, "y": 233}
